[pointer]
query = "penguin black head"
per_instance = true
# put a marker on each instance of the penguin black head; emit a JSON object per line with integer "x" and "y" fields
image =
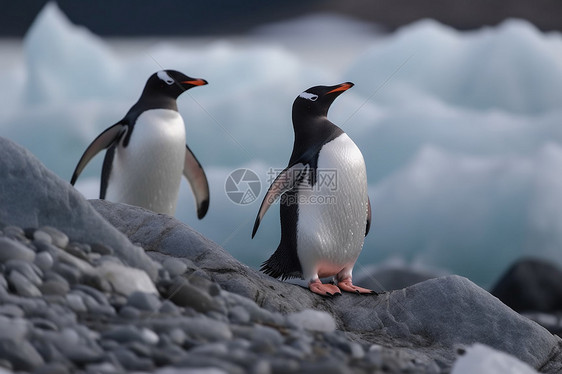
{"x": 317, "y": 100}
{"x": 170, "y": 83}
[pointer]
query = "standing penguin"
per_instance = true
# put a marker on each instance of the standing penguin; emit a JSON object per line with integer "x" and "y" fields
{"x": 147, "y": 153}
{"x": 325, "y": 209}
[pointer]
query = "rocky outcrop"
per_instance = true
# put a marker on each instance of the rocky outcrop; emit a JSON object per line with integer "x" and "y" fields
{"x": 75, "y": 296}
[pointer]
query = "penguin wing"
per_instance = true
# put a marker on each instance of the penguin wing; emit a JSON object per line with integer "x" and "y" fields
{"x": 103, "y": 141}
{"x": 285, "y": 181}
{"x": 197, "y": 179}
{"x": 368, "y": 216}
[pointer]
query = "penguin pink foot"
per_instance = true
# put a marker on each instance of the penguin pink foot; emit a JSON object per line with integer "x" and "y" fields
{"x": 323, "y": 289}
{"x": 348, "y": 286}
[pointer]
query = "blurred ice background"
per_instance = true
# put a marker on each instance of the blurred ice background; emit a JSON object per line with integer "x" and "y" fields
{"x": 461, "y": 130}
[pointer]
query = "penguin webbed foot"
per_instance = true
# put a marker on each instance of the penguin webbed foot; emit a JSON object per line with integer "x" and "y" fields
{"x": 348, "y": 286}
{"x": 322, "y": 289}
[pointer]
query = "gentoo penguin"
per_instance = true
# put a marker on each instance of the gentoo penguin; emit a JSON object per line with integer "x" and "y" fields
{"x": 325, "y": 209}
{"x": 147, "y": 153}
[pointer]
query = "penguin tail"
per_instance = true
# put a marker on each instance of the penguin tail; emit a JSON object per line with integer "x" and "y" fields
{"x": 282, "y": 264}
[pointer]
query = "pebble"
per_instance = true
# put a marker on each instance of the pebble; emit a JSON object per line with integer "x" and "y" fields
{"x": 183, "y": 293}
{"x": 44, "y": 260}
{"x": 27, "y": 269}
{"x": 126, "y": 280}
{"x": 239, "y": 315}
{"x": 21, "y": 354}
{"x": 58, "y": 238}
{"x": 129, "y": 312}
{"x": 174, "y": 266}
{"x": 312, "y": 320}
{"x": 13, "y": 250}
{"x": 54, "y": 287}
{"x": 147, "y": 302}
{"x": 10, "y": 310}
{"x": 76, "y": 303}
{"x": 42, "y": 236}
{"x": 22, "y": 285}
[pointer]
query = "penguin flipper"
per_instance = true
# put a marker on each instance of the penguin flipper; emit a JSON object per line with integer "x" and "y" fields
{"x": 285, "y": 181}
{"x": 103, "y": 141}
{"x": 197, "y": 179}
{"x": 368, "y": 216}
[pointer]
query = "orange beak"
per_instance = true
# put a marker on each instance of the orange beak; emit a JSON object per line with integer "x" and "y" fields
{"x": 196, "y": 82}
{"x": 342, "y": 87}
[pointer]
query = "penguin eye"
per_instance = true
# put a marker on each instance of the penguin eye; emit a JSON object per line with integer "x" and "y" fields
{"x": 309, "y": 96}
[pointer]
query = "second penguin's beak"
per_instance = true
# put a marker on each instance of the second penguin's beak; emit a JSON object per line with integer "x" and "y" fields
{"x": 341, "y": 87}
{"x": 195, "y": 82}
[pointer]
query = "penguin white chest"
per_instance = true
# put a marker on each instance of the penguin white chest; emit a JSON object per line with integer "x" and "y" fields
{"x": 332, "y": 214}
{"x": 147, "y": 172}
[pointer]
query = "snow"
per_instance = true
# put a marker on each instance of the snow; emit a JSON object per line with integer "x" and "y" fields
{"x": 460, "y": 130}
{"x": 482, "y": 359}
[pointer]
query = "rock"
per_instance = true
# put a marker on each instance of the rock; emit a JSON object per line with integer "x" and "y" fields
{"x": 183, "y": 293}
{"x": 481, "y": 359}
{"x": 54, "y": 287}
{"x": 148, "y": 302}
{"x": 22, "y": 285}
{"x": 13, "y": 250}
{"x": 531, "y": 285}
{"x": 55, "y": 203}
{"x": 126, "y": 280}
{"x": 434, "y": 316}
{"x": 383, "y": 279}
{"x": 58, "y": 238}
{"x": 44, "y": 260}
{"x": 174, "y": 266}
{"x": 21, "y": 354}
{"x": 15, "y": 329}
{"x": 313, "y": 320}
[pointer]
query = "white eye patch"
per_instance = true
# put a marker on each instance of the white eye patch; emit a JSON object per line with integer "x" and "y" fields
{"x": 165, "y": 77}
{"x": 309, "y": 96}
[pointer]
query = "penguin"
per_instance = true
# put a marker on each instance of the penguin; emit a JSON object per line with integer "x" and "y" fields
{"x": 147, "y": 152}
{"x": 325, "y": 209}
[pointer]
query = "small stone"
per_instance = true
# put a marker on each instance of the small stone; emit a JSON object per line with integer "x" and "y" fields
{"x": 131, "y": 361}
{"x": 169, "y": 308}
{"x": 68, "y": 272}
{"x": 13, "y": 232}
{"x": 77, "y": 251}
{"x": 27, "y": 269}
{"x": 239, "y": 315}
{"x": 174, "y": 266}
{"x": 177, "y": 336}
{"x": 22, "y": 285}
{"x": 144, "y": 301}
{"x": 76, "y": 303}
{"x": 42, "y": 236}
{"x": 206, "y": 329}
{"x": 126, "y": 280}
{"x": 54, "y": 287}
{"x": 59, "y": 238}
{"x": 11, "y": 310}
{"x": 15, "y": 329}
{"x": 183, "y": 293}
{"x": 102, "y": 249}
{"x": 149, "y": 336}
{"x": 3, "y": 283}
{"x": 129, "y": 312}
{"x": 123, "y": 334}
{"x": 21, "y": 354}
{"x": 53, "y": 368}
{"x": 44, "y": 260}
{"x": 103, "y": 368}
{"x": 13, "y": 250}
{"x": 312, "y": 320}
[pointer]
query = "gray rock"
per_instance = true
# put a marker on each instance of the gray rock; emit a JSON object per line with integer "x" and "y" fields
{"x": 27, "y": 269}
{"x": 58, "y": 238}
{"x": 129, "y": 333}
{"x": 174, "y": 266}
{"x": 238, "y": 315}
{"x": 131, "y": 361}
{"x": 13, "y": 250}
{"x": 126, "y": 280}
{"x": 313, "y": 320}
{"x": 10, "y": 310}
{"x": 21, "y": 354}
{"x": 44, "y": 260}
{"x": 54, "y": 287}
{"x": 129, "y": 312}
{"x": 408, "y": 318}
{"x": 76, "y": 303}
{"x": 54, "y": 202}
{"x": 147, "y": 302}
{"x": 42, "y": 236}
{"x": 183, "y": 293}
{"x": 15, "y": 329}
{"x": 22, "y": 285}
